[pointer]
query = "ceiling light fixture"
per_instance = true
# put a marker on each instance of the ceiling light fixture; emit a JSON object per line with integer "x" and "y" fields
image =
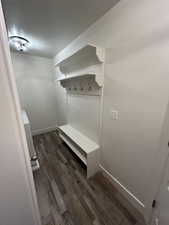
{"x": 19, "y": 43}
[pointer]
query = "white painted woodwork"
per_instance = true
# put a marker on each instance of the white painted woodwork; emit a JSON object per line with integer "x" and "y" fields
{"x": 88, "y": 54}
{"x": 81, "y": 72}
{"x": 84, "y": 142}
{"x": 121, "y": 188}
{"x": 34, "y": 164}
{"x": 160, "y": 213}
{"x": 18, "y": 203}
{"x": 28, "y": 134}
{"x": 74, "y": 148}
{"x": 86, "y": 149}
{"x": 73, "y": 77}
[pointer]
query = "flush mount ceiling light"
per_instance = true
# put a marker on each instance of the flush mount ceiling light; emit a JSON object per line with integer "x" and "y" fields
{"x": 19, "y": 43}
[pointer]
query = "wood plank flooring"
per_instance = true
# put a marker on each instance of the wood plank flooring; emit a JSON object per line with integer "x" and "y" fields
{"x": 66, "y": 197}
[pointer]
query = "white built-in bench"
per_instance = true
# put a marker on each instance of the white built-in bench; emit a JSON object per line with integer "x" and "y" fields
{"x": 86, "y": 149}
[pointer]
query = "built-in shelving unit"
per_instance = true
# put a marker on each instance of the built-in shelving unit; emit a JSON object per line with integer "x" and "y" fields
{"x": 82, "y": 72}
{"x": 86, "y": 149}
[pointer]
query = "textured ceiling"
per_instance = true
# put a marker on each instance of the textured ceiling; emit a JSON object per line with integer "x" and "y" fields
{"x": 50, "y": 25}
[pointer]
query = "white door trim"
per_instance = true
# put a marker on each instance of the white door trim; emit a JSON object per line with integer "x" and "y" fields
{"x": 5, "y": 62}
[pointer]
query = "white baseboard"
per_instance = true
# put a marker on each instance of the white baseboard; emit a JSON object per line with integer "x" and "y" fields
{"x": 124, "y": 191}
{"x": 44, "y": 130}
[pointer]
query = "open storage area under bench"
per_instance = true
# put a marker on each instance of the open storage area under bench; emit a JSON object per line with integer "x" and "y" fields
{"x": 86, "y": 149}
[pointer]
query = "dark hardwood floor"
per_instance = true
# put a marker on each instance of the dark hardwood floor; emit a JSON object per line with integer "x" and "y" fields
{"x": 66, "y": 197}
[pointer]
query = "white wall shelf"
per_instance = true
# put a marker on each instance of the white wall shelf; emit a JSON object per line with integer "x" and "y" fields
{"x": 86, "y": 149}
{"x": 74, "y": 77}
{"x": 87, "y": 84}
{"x": 88, "y": 54}
{"x": 83, "y": 76}
{"x": 82, "y": 71}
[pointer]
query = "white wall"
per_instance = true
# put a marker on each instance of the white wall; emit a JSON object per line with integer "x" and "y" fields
{"x": 36, "y": 87}
{"x": 136, "y": 84}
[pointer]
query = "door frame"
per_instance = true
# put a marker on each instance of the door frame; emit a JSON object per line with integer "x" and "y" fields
{"x": 162, "y": 160}
{"x": 6, "y": 65}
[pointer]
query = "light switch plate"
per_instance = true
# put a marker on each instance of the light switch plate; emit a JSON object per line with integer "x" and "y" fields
{"x": 114, "y": 114}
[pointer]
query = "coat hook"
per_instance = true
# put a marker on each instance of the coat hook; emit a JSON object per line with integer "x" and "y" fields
{"x": 90, "y": 88}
